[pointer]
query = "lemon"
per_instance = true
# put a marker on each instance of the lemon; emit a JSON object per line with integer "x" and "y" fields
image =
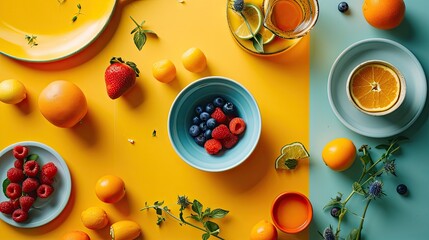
{"x": 12, "y": 91}
{"x": 164, "y": 71}
{"x": 194, "y": 60}
{"x": 290, "y": 154}
{"x": 94, "y": 218}
{"x": 253, "y": 15}
{"x": 267, "y": 35}
{"x": 125, "y": 230}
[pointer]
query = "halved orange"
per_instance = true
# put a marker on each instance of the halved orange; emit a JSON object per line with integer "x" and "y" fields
{"x": 375, "y": 87}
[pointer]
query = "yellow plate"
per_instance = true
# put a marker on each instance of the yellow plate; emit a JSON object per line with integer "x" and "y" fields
{"x": 44, "y": 30}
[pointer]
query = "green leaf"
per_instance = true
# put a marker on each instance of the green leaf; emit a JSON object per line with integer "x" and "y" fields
{"x": 197, "y": 207}
{"x": 139, "y": 39}
{"x": 158, "y": 211}
{"x": 205, "y": 236}
{"x": 353, "y": 235}
{"x": 206, "y": 213}
{"x": 32, "y": 157}
{"x": 150, "y": 32}
{"x": 291, "y": 163}
{"x": 195, "y": 217}
{"x": 5, "y": 183}
{"x": 358, "y": 188}
{"x": 212, "y": 227}
{"x": 218, "y": 213}
{"x": 158, "y": 203}
{"x": 334, "y": 201}
{"x": 257, "y": 43}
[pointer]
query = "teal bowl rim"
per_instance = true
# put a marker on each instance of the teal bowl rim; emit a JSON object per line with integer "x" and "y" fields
{"x": 256, "y": 133}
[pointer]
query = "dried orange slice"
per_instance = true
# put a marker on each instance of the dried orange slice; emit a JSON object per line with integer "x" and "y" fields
{"x": 375, "y": 87}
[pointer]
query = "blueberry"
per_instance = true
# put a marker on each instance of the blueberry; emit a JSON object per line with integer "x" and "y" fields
{"x": 200, "y": 139}
{"x": 219, "y": 102}
{"x": 194, "y": 130}
{"x": 198, "y": 110}
{"x": 228, "y": 108}
{"x": 335, "y": 211}
{"x": 204, "y": 116}
{"x": 211, "y": 123}
{"x": 343, "y": 7}
{"x": 203, "y": 126}
{"x": 402, "y": 189}
{"x": 196, "y": 120}
{"x": 210, "y": 108}
{"x": 208, "y": 134}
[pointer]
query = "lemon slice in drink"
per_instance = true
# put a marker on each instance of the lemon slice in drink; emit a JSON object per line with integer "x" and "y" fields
{"x": 253, "y": 15}
{"x": 267, "y": 35}
{"x": 290, "y": 154}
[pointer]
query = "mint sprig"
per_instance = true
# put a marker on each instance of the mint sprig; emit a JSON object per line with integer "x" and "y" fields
{"x": 140, "y": 34}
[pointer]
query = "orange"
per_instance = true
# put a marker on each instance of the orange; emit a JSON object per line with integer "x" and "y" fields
{"x": 375, "y": 87}
{"x": 339, "y": 154}
{"x": 263, "y": 230}
{"x": 164, "y": 71}
{"x": 110, "y": 189}
{"x": 76, "y": 235}
{"x": 94, "y": 218}
{"x": 194, "y": 60}
{"x": 63, "y": 104}
{"x": 384, "y": 14}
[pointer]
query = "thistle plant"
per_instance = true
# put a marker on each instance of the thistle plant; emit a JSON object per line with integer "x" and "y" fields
{"x": 369, "y": 186}
{"x": 199, "y": 215}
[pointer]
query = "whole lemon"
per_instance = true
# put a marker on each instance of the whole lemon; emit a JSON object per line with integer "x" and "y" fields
{"x": 383, "y": 14}
{"x": 94, "y": 218}
{"x": 110, "y": 189}
{"x": 125, "y": 230}
{"x": 12, "y": 91}
{"x": 194, "y": 60}
{"x": 263, "y": 230}
{"x": 164, "y": 71}
{"x": 339, "y": 154}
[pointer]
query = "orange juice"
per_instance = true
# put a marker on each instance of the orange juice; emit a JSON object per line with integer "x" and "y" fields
{"x": 292, "y": 212}
{"x": 287, "y": 15}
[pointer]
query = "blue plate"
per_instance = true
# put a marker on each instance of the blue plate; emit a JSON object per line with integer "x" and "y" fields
{"x": 45, "y": 210}
{"x": 377, "y": 126}
{"x": 201, "y": 92}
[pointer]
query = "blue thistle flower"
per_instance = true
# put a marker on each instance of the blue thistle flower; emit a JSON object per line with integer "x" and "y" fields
{"x": 183, "y": 202}
{"x": 238, "y": 5}
{"x": 390, "y": 167}
{"x": 375, "y": 190}
{"x": 328, "y": 234}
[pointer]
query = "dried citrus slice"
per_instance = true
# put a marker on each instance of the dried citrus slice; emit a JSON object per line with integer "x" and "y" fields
{"x": 290, "y": 154}
{"x": 375, "y": 87}
{"x": 253, "y": 15}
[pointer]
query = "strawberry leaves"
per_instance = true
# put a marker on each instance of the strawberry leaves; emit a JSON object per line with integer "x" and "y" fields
{"x": 140, "y": 34}
{"x": 130, "y": 64}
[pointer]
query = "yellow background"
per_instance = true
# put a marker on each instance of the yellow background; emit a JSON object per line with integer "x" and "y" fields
{"x": 150, "y": 167}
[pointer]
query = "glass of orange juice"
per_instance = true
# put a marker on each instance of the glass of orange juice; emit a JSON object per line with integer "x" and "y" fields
{"x": 290, "y": 19}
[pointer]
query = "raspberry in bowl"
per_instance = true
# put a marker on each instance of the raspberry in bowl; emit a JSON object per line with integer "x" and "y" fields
{"x": 199, "y": 94}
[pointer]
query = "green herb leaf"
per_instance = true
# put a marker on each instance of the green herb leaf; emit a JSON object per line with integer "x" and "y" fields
{"x": 139, "y": 39}
{"x": 32, "y": 157}
{"x": 205, "y": 236}
{"x": 197, "y": 207}
{"x": 257, "y": 43}
{"x": 218, "y": 213}
{"x": 358, "y": 188}
{"x": 212, "y": 227}
{"x": 5, "y": 183}
{"x": 334, "y": 201}
{"x": 353, "y": 234}
{"x": 154, "y": 133}
{"x": 291, "y": 163}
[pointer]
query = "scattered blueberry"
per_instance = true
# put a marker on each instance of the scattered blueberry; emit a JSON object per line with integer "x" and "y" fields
{"x": 194, "y": 130}
{"x": 211, "y": 123}
{"x": 335, "y": 211}
{"x": 219, "y": 102}
{"x": 196, "y": 120}
{"x": 208, "y": 134}
{"x": 200, "y": 139}
{"x": 210, "y": 108}
{"x": 343, "y": 7}
{"x": 228, "y": 108}
{"x": 203, "y": 126}
{"x": 198, "y": 110}
{"x": 402, "y": 189}
{"x": 204, "y": 116}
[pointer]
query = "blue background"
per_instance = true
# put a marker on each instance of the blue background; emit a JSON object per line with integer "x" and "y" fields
{"x": 393, "y": 216}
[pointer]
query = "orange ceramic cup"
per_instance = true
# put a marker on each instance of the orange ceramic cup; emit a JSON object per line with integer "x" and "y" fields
{"x": 291, "y": 212}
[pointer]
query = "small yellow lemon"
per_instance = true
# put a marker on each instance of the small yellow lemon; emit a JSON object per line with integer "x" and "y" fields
{"x": 94, "y": 218}
{"x": 194, "y": 60}
{"x": 12, "y": 91}
{"x": 164, "y": 71}
{"x": 125, "y": 230}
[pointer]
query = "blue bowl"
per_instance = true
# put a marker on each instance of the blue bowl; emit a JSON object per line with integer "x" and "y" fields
{"x": 183, "y": 110}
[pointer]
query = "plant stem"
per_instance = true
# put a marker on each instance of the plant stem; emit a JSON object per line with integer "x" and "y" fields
{"x": 362, "y": 220}
{"x": 250, "y": 29}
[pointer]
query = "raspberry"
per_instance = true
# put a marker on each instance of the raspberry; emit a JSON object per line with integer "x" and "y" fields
{"x": 15, "y": 175}
{"x": 44, "y": 191}
{"x": 19, "y": 215}
{"x": 13, "y": 190}
{"x": 19, "y": 163}
{"x": 46, "y": 180}
{"x": 31, "y": 168}
{"x": 212, "y": 146}
{"x": 25, "y": 202}
{"x": 237, "y": 126}
{"x": 29, "y": 185}
{"x": 6, "y": 207}
{"x": 219, "y": 116}
{"x": 220, "y": 132}
{"x": 229, "y": 141}
{"x": 20, "y": 152}
{"x": 49, "y": 170}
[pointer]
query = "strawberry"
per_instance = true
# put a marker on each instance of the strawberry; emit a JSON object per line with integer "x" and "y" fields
{"x": 6, "y": 207}
{"x": 20, "y": 152}
{"x": 120, "y": 76}
{"x": 26, "y": 202}
{"x": 19, "y": 215}
{"x": 44, "y": 191}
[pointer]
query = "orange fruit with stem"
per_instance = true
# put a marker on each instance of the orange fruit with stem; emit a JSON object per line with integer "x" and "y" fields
{"x": 339, "y": 154}
{"x": 384, "y": 14}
